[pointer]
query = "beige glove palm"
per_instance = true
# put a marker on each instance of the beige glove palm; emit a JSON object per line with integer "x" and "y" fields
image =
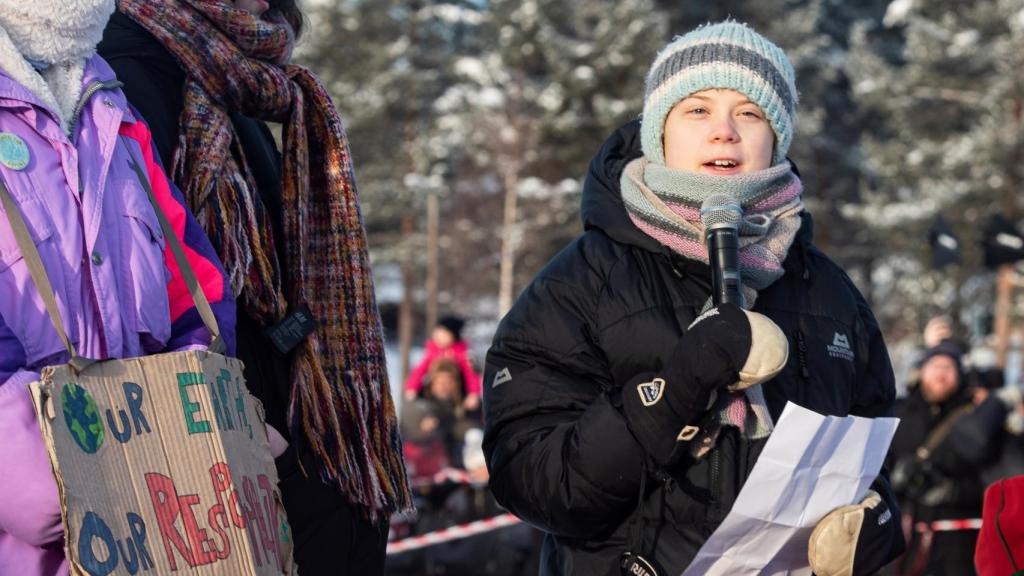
{"x": 832, "y": 549}
{"x": 769, "y": 351}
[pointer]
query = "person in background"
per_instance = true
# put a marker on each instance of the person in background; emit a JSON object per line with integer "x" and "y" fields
{"x": 623, "y": 411}
{"x": 437, "y": 420}
{"x": 991, "y": 437}
{"x": 208, "y": 75}
{"x": 68, "y": 143}
{"x": 446, "y": 343}
{"x": 937, "y": 329}
{"x": 933, "y": 480}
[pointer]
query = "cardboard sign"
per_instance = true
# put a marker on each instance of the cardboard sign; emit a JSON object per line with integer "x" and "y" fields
{"x": 163, "y": 467}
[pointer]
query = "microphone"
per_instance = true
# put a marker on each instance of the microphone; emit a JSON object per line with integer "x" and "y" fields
{"x": 721, "y": 215}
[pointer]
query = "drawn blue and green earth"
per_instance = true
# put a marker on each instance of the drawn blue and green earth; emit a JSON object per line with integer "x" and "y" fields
{"x": 82, "y": 417}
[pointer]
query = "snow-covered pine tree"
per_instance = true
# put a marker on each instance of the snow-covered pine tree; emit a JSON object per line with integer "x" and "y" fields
{"x": 385, "y": 63}
{"x": 550, "y": 80}
{"x": 949, "y": 136}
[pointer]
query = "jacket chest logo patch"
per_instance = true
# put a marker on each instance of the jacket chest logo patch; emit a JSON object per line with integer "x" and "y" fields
{"x": 840, "y": 347}
{"x": 651, "y": 392}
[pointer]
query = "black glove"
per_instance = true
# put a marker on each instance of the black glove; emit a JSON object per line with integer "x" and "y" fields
{"x": 726, "y": 347}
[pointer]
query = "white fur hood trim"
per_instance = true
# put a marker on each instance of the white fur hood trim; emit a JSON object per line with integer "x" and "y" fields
{"x": 66, "y": 78}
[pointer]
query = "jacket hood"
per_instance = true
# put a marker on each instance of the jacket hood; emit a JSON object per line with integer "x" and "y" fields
{"x": 602, "y": 206}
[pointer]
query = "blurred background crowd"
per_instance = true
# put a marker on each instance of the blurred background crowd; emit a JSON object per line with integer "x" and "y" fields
{"x": 472, "y": 123}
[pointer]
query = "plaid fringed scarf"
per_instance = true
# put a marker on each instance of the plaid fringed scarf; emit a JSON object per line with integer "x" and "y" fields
{"x": 665, "y": 204}
{"x": 340, "y": 398}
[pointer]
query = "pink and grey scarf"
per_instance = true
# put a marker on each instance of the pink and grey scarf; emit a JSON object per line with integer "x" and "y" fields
{"x": 665, "y": 204}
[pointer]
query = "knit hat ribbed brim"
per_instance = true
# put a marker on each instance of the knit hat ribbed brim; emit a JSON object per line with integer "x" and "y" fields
{"x": 727, "y": 55}
{"x": 948, "y": 348}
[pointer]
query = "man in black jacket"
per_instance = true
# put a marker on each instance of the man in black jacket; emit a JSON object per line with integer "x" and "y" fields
{"x": 614, "y": 418}
{"x": 940, "y": 486}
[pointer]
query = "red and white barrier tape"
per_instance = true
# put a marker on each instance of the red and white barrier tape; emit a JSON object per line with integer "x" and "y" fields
{"x": 453, "y": 533}
{"x": 949, "y": 525}
{"x": 446, "y": 476}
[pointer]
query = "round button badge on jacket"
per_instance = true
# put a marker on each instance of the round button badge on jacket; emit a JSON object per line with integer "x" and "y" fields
{"x": 13, "y": 151}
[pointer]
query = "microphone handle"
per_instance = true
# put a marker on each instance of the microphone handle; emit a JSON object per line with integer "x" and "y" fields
{"x": 724, "y": 256}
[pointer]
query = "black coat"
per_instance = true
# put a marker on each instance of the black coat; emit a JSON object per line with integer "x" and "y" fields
{"x": 989, "y": 452}
{"x": 944, "y": 487}
{"x": 331, "y": 535}
{"x": 947, "y": 486}
{"x": 982, "y": 441}
{"x": 153, "y": 82}
{"x": 610, "y": 307}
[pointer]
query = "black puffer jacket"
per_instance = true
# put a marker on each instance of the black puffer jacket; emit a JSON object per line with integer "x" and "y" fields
{"x": 982, "y": 440}
{"x": 611, "y": 306}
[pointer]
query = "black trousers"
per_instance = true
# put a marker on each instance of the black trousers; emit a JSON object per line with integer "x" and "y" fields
{"x": 331, "y": 537}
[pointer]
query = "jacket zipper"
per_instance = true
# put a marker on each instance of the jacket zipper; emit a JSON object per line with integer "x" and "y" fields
{"x": 716, "y": 489}
{"x": 802, "y": 353}
{"x": 91, "y": 89}
{"x": 98, "y": 311}
{"x": 805, "y": 262}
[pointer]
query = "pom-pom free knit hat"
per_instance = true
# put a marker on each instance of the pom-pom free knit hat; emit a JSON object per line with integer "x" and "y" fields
{"x": 453, "y": 324}
{"x": 723, "y": 55}
{"x": 947, "y": 347}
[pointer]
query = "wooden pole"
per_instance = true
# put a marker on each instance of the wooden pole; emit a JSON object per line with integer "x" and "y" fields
{"x": 433, "y": 225}
{"x": 1004, "y": 293}
{"x": 508, "y": 248}
{"x": 1004, "y": 285}
{"x": 405, "y": 319}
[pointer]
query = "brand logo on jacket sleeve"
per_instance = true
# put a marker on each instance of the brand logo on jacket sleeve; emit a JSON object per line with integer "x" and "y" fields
{"x": 651, "y": 392}
{"x": 840, "y": 347}
{"x": 501, "y": 377}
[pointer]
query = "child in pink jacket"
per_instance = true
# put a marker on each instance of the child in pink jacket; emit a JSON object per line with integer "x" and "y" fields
{"x": 446, "y": 343}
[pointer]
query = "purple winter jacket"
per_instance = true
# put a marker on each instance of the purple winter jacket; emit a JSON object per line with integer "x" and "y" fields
{"x": 118, "y": 289}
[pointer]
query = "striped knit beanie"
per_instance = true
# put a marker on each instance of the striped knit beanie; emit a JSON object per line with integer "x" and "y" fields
{"x": 724, "y": 55}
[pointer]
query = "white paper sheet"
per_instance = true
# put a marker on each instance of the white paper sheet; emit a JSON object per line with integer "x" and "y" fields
{"x": 810, "y": 465}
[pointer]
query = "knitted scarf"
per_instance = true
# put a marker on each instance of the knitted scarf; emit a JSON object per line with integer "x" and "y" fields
{"x": 665, "y": 204}
{"x": 340, "y": 398}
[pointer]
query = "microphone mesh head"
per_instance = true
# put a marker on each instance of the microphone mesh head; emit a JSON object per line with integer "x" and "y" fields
{"x": 720, "y": 211}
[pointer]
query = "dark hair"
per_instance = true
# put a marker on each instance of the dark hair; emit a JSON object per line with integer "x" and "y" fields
{"x": 453, "y": 324}
{"x": 292, "y": 14}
